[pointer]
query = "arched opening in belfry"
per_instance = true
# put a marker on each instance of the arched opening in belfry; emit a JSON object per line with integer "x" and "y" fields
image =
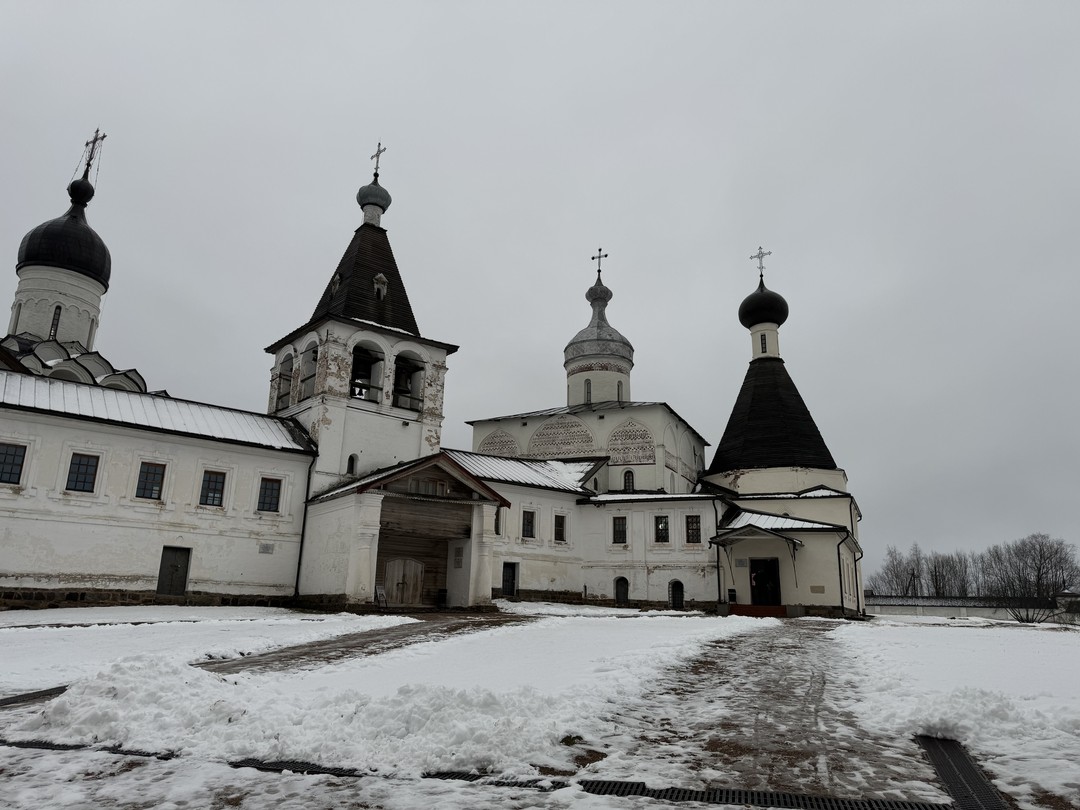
{"x": 408, "y": 382}
{"x": 367, "y": 374}
{"x": 309, "y": 362}
{"x": 284, "y": 383}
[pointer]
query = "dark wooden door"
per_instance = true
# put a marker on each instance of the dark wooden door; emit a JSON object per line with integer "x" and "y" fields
{"x": 404, "y": 582}
{"x": 765, "y": 582}
{"x": 622, "y": 592}
{"x": 676, "y": 595}
{"x": 172, "y": 576}
{"x": 509, "y": 583}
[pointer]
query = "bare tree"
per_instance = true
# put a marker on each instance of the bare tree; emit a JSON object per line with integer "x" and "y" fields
{"x": 1026, "y": 575}
{"x": 893, "y": 576}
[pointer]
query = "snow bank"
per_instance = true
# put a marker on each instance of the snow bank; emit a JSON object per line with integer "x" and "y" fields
{"x": 42, "y": 657}
{"x": 1009, "y": 692}
{"x": 559, "y": 609}
{"x": 500, "y": 699}
{"x": 135, "y": 614}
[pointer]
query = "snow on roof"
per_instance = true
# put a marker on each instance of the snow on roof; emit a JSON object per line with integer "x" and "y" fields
{"x": 565, "y": 476}
{"x": 148, "y": 411}
{"x": 816, "y": 492}
{"x": 649, "y": 496}
{"x": 776, "y": 523}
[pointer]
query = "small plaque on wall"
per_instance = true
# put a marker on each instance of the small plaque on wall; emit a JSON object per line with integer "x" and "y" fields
{"x": 740, "y": 563}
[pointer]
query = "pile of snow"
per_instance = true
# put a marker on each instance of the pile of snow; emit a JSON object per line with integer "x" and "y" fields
{"x": 40, "y": 657}
{"x": 137, "y": 614}
{"x": 502, "y": 699}
{"x": 1009, "y": 692}
{"x": 558, "y": 609}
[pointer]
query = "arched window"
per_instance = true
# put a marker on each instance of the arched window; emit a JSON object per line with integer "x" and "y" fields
{"x": 618, "y": 388}
{"x": 367, "y": 372}
{"x": 309, "y": 362}
{"x": 15, "y": 313}
{"x": 588, "y": 392}
{"x": 284, "y": 383}
{"x": 671, "y": 482}
{"x": 55, "y": 322}
{"x": 408, "y": 379}
{"x": 628, "y": 481}
{"x": 350, "y": 467}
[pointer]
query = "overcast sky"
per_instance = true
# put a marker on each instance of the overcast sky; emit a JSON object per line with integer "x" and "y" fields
{"x": 913, "y": 167}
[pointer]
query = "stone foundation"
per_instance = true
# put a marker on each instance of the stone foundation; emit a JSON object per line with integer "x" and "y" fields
{"x": 95, "y": 597}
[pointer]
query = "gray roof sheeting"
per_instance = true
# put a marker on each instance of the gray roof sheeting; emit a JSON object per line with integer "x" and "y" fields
{"x": 564, "y": 476}
{"x": 149, "y": 412}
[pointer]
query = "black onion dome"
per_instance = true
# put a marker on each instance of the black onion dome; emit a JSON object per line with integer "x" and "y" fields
{"x": 763, "y": 306}
{"x": 69, "y": 242}
{"x": 373, "y": 194}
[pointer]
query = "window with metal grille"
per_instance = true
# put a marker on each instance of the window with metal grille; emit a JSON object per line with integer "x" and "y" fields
{"x": 628, "y": 481}
{"x": 528, "y": 523}
{"x": 55, "y": 322}
{"x": 213, "y": 488}
{"x": 618, "y": 529}
{"x": 151, "y": 480}
{"x": 560, "y": 528}
{"x": 12, "y": 457}
{"x": 269, "y": 495}
{"x": 764, "y": 344}
{"x": 662, "y": 528}
{"x": 693, "y": 528}
{"x": 82, "y": 474}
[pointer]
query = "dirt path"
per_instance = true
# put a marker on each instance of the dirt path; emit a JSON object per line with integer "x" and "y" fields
{"x": 760, "y": 712}
{"x": 431, "y": 627}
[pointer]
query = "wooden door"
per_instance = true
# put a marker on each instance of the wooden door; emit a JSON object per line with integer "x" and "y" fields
{"x": 172, "y": 576}
{"x": 404, "y": 581}
{"x": 765, "y": 582}
{"x": 622, "y": 592}
{"x": 509, "y": 582}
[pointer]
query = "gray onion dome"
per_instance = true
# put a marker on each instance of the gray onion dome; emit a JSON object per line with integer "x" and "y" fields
{"x": 373, "y": 194}
{"x": 599, "y": 337}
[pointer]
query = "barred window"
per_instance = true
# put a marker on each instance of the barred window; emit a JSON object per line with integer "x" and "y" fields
{"x": 12, "y": 457}
{"x": 662, "y": 529}
{"x": 560, "y": 528}
{"x": 82, "y": 474}
{"x": 213, "y": 488}
{"x": 269, "y": 495}
{"x": 693, "y": 528}
{"x": 618, "y": 529}
{"x": 528, "y": 523}
{"x": 151, "y": 480}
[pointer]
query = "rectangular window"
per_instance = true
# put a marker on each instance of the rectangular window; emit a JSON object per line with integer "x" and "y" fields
{"x": 151, "y": 480}
{"x": 82, "y": 474}
{"x": 560, "y": 528}
{"x": 12, "y": 457}
{"x": 693, "y": 528}
{"x": 764, "y": 344}
{"x": 618, "y": 529}
{"x": 213, "y": 488}
{"x": 498, "y": 520}
{"x": 528, "y": 523}
{"x": 661, "y": 523}
{"x": 269, "y": 495}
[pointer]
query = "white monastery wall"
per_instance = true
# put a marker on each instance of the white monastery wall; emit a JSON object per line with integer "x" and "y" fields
{"x": 110, "y": 539}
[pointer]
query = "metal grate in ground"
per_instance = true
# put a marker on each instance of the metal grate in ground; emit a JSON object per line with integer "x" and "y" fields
{"x": 967, "y": 784}
{"x": 970, "y": 788}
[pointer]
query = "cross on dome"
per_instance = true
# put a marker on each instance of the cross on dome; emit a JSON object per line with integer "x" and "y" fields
{"x": 93, "y": 147}
{"x": 760, "y": 256}
{"x": 598, "y": 258}
{"x": 378, "y": 153}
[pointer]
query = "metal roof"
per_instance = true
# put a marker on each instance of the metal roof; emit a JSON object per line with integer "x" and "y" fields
{"x": 149, "y": 412}
{"x": 776, "y": 523}
{"x": 623, "y": 497}
{"x": 564, "y": 476}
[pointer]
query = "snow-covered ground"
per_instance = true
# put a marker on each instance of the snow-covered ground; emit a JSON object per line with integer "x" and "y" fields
{"x": 664, "y": 699}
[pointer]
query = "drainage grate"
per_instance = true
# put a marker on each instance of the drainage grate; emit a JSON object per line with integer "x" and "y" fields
{"x": 970, "y": 788}
{"x": 296, "y": 766}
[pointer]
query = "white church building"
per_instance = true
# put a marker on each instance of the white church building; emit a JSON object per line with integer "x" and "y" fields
{"x": 341, "y": 494}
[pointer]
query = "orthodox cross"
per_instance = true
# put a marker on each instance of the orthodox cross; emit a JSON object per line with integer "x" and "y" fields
{"x": 598, "y": 258}
{"x": 93, "y": 146}
{"x": 760, "y": 256}
{"x": 378, "y": 153}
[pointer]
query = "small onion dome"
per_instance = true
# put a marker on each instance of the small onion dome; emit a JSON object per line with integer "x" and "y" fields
{"x": 599, "y": 337}
{"x": 373, "y": 194}
{"x": 69, "y": 242}
{"x": 763, "y": 306}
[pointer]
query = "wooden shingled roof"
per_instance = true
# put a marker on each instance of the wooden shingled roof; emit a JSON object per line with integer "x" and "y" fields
{"x": 770, "y": 425}
{"x": 351, "y": 291}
